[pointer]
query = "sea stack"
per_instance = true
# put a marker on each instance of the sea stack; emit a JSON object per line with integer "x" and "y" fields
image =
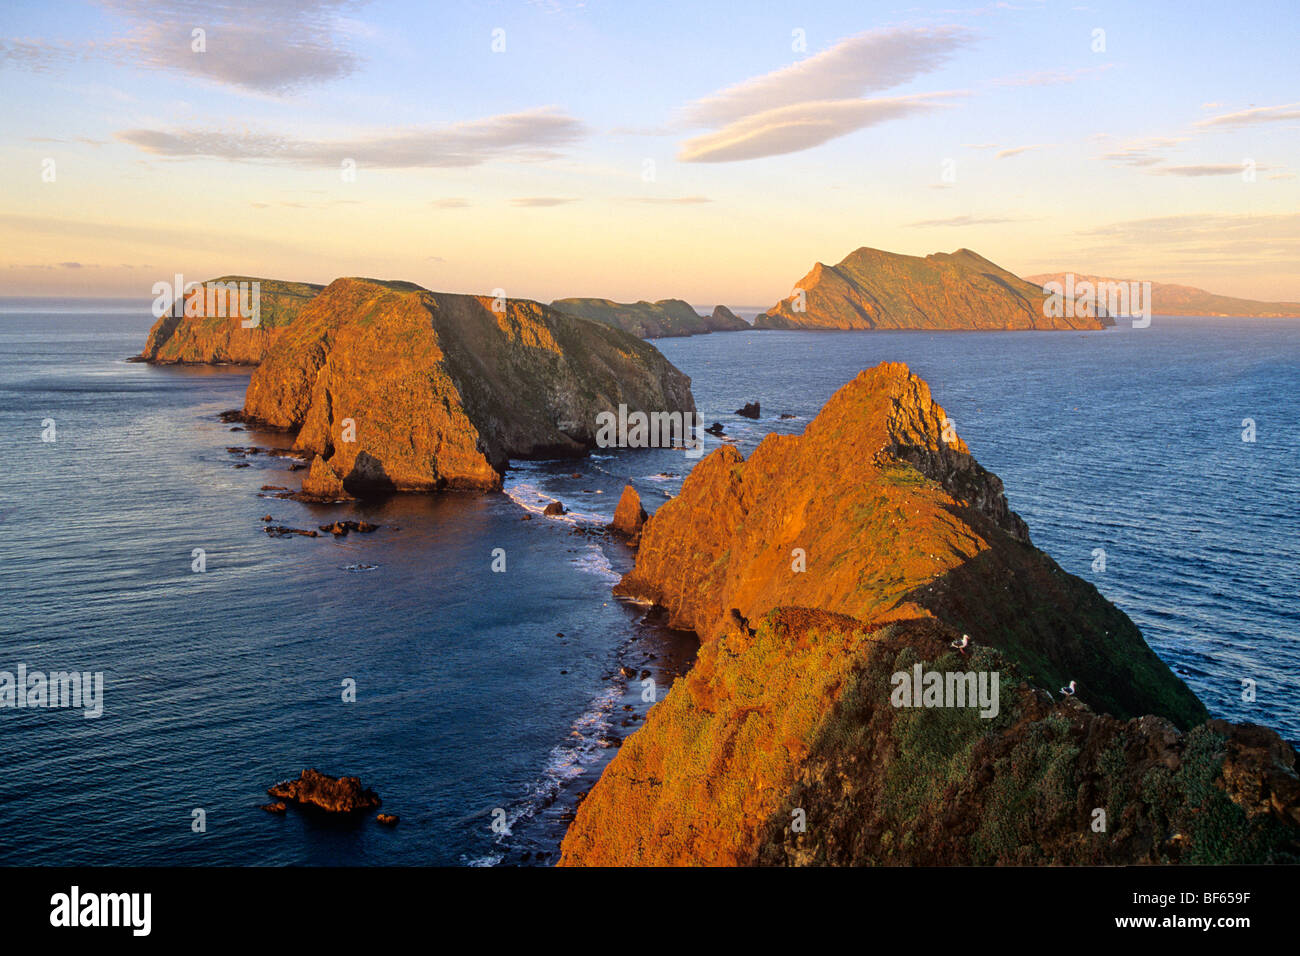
{"x": 828, "y": 576}
{"x": 392, "y": 387}
{"x": 629, "y": 516}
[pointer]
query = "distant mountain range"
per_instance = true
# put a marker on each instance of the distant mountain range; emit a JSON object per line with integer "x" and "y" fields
{"x": 653, "y": 320}
{"x": 1167, "y": 299}
{"x": 873, "y": 289}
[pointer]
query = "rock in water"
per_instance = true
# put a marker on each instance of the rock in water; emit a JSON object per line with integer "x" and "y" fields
{"x": 723, "y": 319}
{"x": 553, "y": 509}
{"x": 872, "y": 289}
{"x": 198, "y": 338}
{"x": 829, "y": 563}
{"x": 332, "y": 794}
{"x": 748, "y": 410}
{"x": 395, "y": 388}
{"x": 629, "y": 516}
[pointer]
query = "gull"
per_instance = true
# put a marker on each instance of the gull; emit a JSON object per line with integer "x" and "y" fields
{"x": 962, "y": 644}
{"x": 1068, "y": 690}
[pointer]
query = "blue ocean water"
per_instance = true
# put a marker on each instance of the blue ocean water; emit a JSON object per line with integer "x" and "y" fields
{"x": 478, "y": 690}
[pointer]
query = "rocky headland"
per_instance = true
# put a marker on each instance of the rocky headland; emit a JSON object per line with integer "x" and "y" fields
{"x": 872, "y": 546}
{"x": 201, "y": 336}
{"x": 392, "y": 387}
{"x": 873, "y": 289}
{"x": 653, "y": 320}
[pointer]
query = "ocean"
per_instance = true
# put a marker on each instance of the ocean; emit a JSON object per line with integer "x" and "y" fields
{"x": 489, "y": 697}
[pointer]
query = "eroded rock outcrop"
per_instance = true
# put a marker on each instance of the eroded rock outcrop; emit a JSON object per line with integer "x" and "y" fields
{"x": 392, "y": 387}
{"x": 323, "y": 792}
{"x": 873, "y": 289}
{"x": 211, "y": 332}
{"x": 830, "y": 562}
{"x": 629, "y": 516}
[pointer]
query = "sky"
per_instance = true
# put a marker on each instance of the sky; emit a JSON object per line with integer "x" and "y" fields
{"x": 710, "y": 151}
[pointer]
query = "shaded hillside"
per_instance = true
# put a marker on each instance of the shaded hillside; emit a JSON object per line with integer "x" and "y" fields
{"x": 652, "y": 320}
{"x": 872, "y": 289}
{"x": 441, "y": 391}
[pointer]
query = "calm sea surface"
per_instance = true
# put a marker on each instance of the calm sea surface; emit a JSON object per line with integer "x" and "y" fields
{"x": 480, "y": 691}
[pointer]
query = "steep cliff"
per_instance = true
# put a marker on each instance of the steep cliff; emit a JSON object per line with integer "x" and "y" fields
{"x": 831, "y": 561}
{"x": 652, "y": 320}
{"x": 204, "y": 335}
{"x": 394, "y": 387}
{"x": 872, "y": 289}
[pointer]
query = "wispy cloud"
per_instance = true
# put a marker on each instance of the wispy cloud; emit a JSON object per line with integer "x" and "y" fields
{"x": 542, "y": 202}
{"x": 670, "y": 200}
{"x": 1251, "y": 117}
{"x": 789, "y": 129}
{"x": 1203, "y": 169}
{"x": 259, "y": 45}
{"x": 517, "y": 135}
{"x": 819, "y": 98}
{"x": 963, "y": 221}
{"x": 1014, "y": 151}
{"x": 1053, "y": 77}
{"x": 452, "y": 202}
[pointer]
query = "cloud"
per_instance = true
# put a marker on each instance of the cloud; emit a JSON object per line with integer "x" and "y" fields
{"x": 1053, "y": 77}
{"x": 789, "y": 129}
{"x": 1251, "y": 117}
{"x": 875, "y": 60}
{"x": 450, "y": 203}
{"x": 528, "y": 134}
{"x": 259, "y": 45}
{"x": 1014, "y": 151}
{"x": 70, "y": 265}
{"x": 962, "y": 221}
{"x": 1204, "y": 169}
{"x": 1148, "y": 152}
{"x": 541, "y": 202}
{"x": 671, "y": 200}
{"x": 820, "y": 98}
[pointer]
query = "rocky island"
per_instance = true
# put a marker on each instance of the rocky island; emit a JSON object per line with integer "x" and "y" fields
{"x": 391, "y": 387}
{"x": 653, "y": 320}
{"x": 873, "y": 289}
{"x": 833, "y": 572}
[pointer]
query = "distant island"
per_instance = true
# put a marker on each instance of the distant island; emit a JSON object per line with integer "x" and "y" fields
{"x": 873, "y": 289}
{"x": 653, "y": 320}
{"x": 393, "y": 387}
{"x": 1168, "y": 299}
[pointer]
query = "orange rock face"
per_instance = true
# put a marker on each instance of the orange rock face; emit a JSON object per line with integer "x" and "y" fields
{"x": 828, "y": 562}
{"x": 394, "y": 387}
{"x": 872, "y": 289}
{"x": 629, "y": 516}
{"x": 215, "y": 333}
